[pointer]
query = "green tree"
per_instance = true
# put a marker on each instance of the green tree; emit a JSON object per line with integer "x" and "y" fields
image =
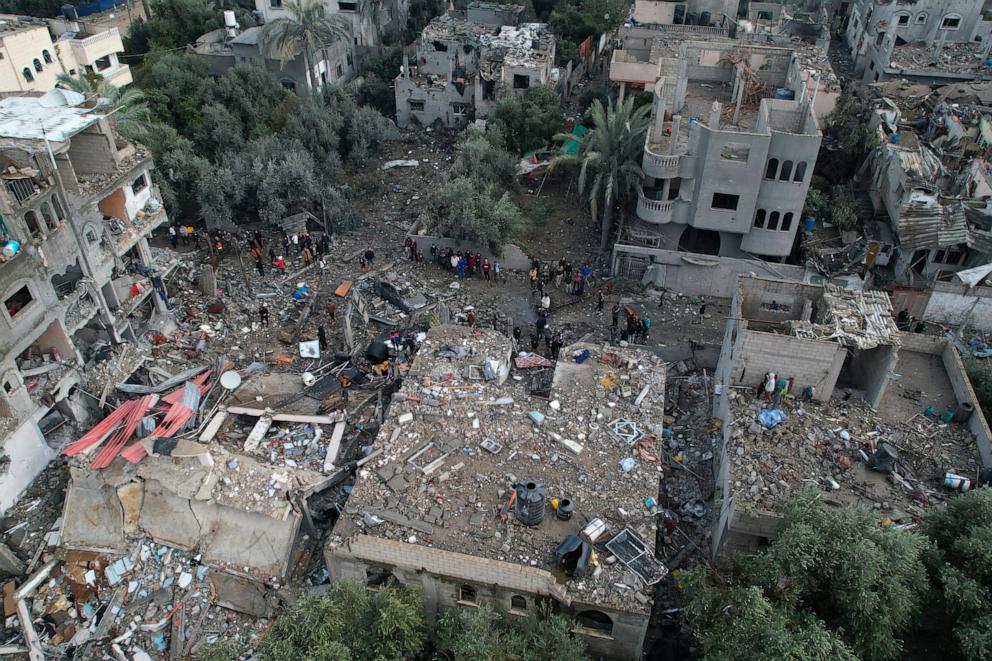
{"x": 470, "y": 210}
{"x": 352, "y": 623}
{"x": 174, "y": 24}
{"x": 863, "y": 580}
{"x": 609, "y": 158}
{"x": 480, "y": 155}
{"x": 742, "y": 623}
{"x": 482, "y": 634}
{"x": 843, "y": 208}
{"x": 528, "y": 122}
{"x": 130, "y": 113}
{"x": 960, "y": 566}
{"x": 307, "y": 28}
{"x": 847, "y": 137}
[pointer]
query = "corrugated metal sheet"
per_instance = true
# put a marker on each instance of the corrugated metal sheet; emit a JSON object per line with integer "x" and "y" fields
{"x": 932, "y": 222}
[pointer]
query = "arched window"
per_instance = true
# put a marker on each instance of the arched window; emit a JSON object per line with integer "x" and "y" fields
{"x": 376, "y": 577}
{"x": 28, "y": 76}
{"x": 786, "y": 171}
{"x": 921, "y": 18}
{"x": 771, "y": 169}
{"x": 951, "y": 22}
{"x": 46, "y": 213}
{"x": 518, "y": 604}
{"x": 759, "y": 219}
{"x": 34, "y": 227}
{"x": 37, "y": 65}
{"x": 787, "y": 222}
{"x": 800, "y": 172}
{"x": 773, "y": 220}
{"x": 902, "y": 18}
{"x": 45, "y": 55}
{"x": 596, "y": 623}
{"x": 58, "y": 208}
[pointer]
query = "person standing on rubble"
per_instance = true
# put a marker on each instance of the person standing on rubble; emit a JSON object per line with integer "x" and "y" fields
{"x": 486, "y": 267}
{"x": 516, "y": 334}
{"x": 770, "y": 382}
{"x": 556, "y": 346}
{"x": 702, "y": 310}
{"x": 615, "y": 313}
{"x": 260, "y": 266}
{"x": 460, "y": 266}
{"x": 370, "y": 257}
{"x": 322, "y": 338}
{"x": 600, "y": 301}
{"x": 307, "y": 256}
{"x": 325, "y": 243}
{"x": 497, "y": 270}
{"x": 263, "y": 316}
{"x": 470, "y": 264}
{"x": 173, "y": 236}
{"x": 533, "y": 342}
{"x": 532, "y": 274}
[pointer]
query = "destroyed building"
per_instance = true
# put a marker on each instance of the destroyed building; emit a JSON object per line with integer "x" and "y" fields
{"x": 928, "y": 41}
{"x": 466, "y": 59}
{"x": 372, "y": 24}
{"x": 224, "y": 47}
{"x": 77, "y": 273}
{"x": 866, "y": 435}
{"x": 939, "y": 224}
{"x": 486, "y": 487}
{"x": 730, "y": 150}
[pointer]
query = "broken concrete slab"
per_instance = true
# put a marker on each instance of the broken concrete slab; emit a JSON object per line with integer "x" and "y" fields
{"x": 10, "y": 564}
{"x": 242, "y": 595}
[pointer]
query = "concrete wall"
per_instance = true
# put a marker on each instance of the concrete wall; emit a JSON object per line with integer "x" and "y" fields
{"x": 29, "y": 455}
{"x": 439, "y": 575}
{"x": 964, "y": 392}
{"x": 93, "y": 151}
{"x": 952, "y": 303}
{"x": 20, "y": 49}
{"x": 512, "y": 259}
{"x": 437, "y": 103}
{"x": 807, "y": 362}
{"x": 869, "y": 370}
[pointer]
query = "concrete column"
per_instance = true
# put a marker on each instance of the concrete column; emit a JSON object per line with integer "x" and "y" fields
{"x": 208, "y": 283}
{"x": 659, "y": 108}
{"x": 623, "y": 89}
{"x": 665, "y": 186}
{"x": 676, "y": 126}
{"x": 145, "y": 253}
{"x": 715, "y": 112}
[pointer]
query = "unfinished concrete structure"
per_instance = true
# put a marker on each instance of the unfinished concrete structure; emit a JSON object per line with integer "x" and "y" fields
{"x": 221, "y": 49}
{"x": 817, "y": 336}
{"x": 461, "y": 437}
{"x": 835, "y": 444}
{"x": 466, "y": 59}
{"x": 76, "y": 270}
{"x": 924, "y": 41}
{"x": 727, "y": 164}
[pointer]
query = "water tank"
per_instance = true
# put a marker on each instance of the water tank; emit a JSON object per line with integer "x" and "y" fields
{"x": 229, "y": 20}
{"x": 704, "y": 18}
{"x": 785, "y": 93}
{"x": 69, "y": 12}
{"x": 691, "y": 18}
{"x": 678, "y": 18}
{"x": 565, "y": 509}
{"x": 529, "y": 508}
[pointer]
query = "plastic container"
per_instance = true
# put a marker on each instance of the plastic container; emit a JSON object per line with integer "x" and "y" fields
{"x": 956, "y": 482}
{"x": 529, "y": 507}
{"x": 810, "y": 223}
{"x": 564, "y": 510}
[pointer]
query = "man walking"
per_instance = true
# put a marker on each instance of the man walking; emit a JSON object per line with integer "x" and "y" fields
{"x": 615, "y": 311}
{"x": 600, "y": 301}
{"x": 263, "y": 316}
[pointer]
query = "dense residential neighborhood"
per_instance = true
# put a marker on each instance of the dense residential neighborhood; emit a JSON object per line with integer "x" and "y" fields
{"x": 573, "y": 329}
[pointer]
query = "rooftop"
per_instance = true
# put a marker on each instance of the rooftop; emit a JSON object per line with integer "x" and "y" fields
{"x": 455, "y": 444}
{"x": 10, "y": 24}
{"x": 52, "y": 117}
{"x": 951, "y": 58}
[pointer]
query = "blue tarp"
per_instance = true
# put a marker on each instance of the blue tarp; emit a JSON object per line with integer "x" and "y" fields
{"x": 771, "y": 417}
{"x": 98, "y": 6}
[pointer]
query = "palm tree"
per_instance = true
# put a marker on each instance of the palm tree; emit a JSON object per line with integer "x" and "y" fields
{"x": 129, "y": 107}
{"x": 307, "y": 28}
{"x": 610, "y": 153}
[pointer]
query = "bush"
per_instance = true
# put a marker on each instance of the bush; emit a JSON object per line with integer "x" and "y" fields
{"x": 468, "y": 210}
{"x": 482, "y": 634}
{"x": 530, "y": 121}
{"x": 479, "y": 155}
{"x": 351, "y": 623}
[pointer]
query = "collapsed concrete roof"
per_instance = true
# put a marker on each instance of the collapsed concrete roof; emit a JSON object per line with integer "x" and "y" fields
{"x": 235, "y": 510}
{"x": 455, "y": 444}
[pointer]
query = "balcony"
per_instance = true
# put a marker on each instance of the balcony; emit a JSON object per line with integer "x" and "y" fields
{"x": 660, "y": 167}
{"x": 118, "y": 76}
{"x": 657, "y": 212}
{"x": 90, "y": 49}
{"x": 142, "y": 225}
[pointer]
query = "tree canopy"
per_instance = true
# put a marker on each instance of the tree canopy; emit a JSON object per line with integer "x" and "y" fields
{"x": 242, "y": 147}
{"x": 834, "y": 578}
{"x": 352, "y": 623}
{"x": 482, "y": 634}
{"x": 960, "y": 564}
{"x": 530, "y": 121}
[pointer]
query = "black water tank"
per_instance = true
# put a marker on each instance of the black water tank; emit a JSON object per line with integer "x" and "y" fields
{"x": 964, "y": 412}
{"x": 377, "y": 351}
{"x": 564, "y": 511}
{"x": 529, "y": 508}
{"x": 678, "y": 18}
{"x": 704, "y": 18}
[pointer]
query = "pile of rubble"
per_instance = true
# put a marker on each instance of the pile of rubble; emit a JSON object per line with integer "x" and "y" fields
{"x": 843, "y": 449}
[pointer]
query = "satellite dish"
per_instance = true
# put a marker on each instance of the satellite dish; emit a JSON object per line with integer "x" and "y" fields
{"x": 230, "y": 380}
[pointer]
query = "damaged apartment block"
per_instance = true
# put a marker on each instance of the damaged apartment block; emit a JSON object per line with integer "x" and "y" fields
{"x": 730, "y": 151}
{"x": 862, "y": 435}
{"x": 490, "y": 489}
{"x": 77, "y": 274}
{"x": 466, "y": 59}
